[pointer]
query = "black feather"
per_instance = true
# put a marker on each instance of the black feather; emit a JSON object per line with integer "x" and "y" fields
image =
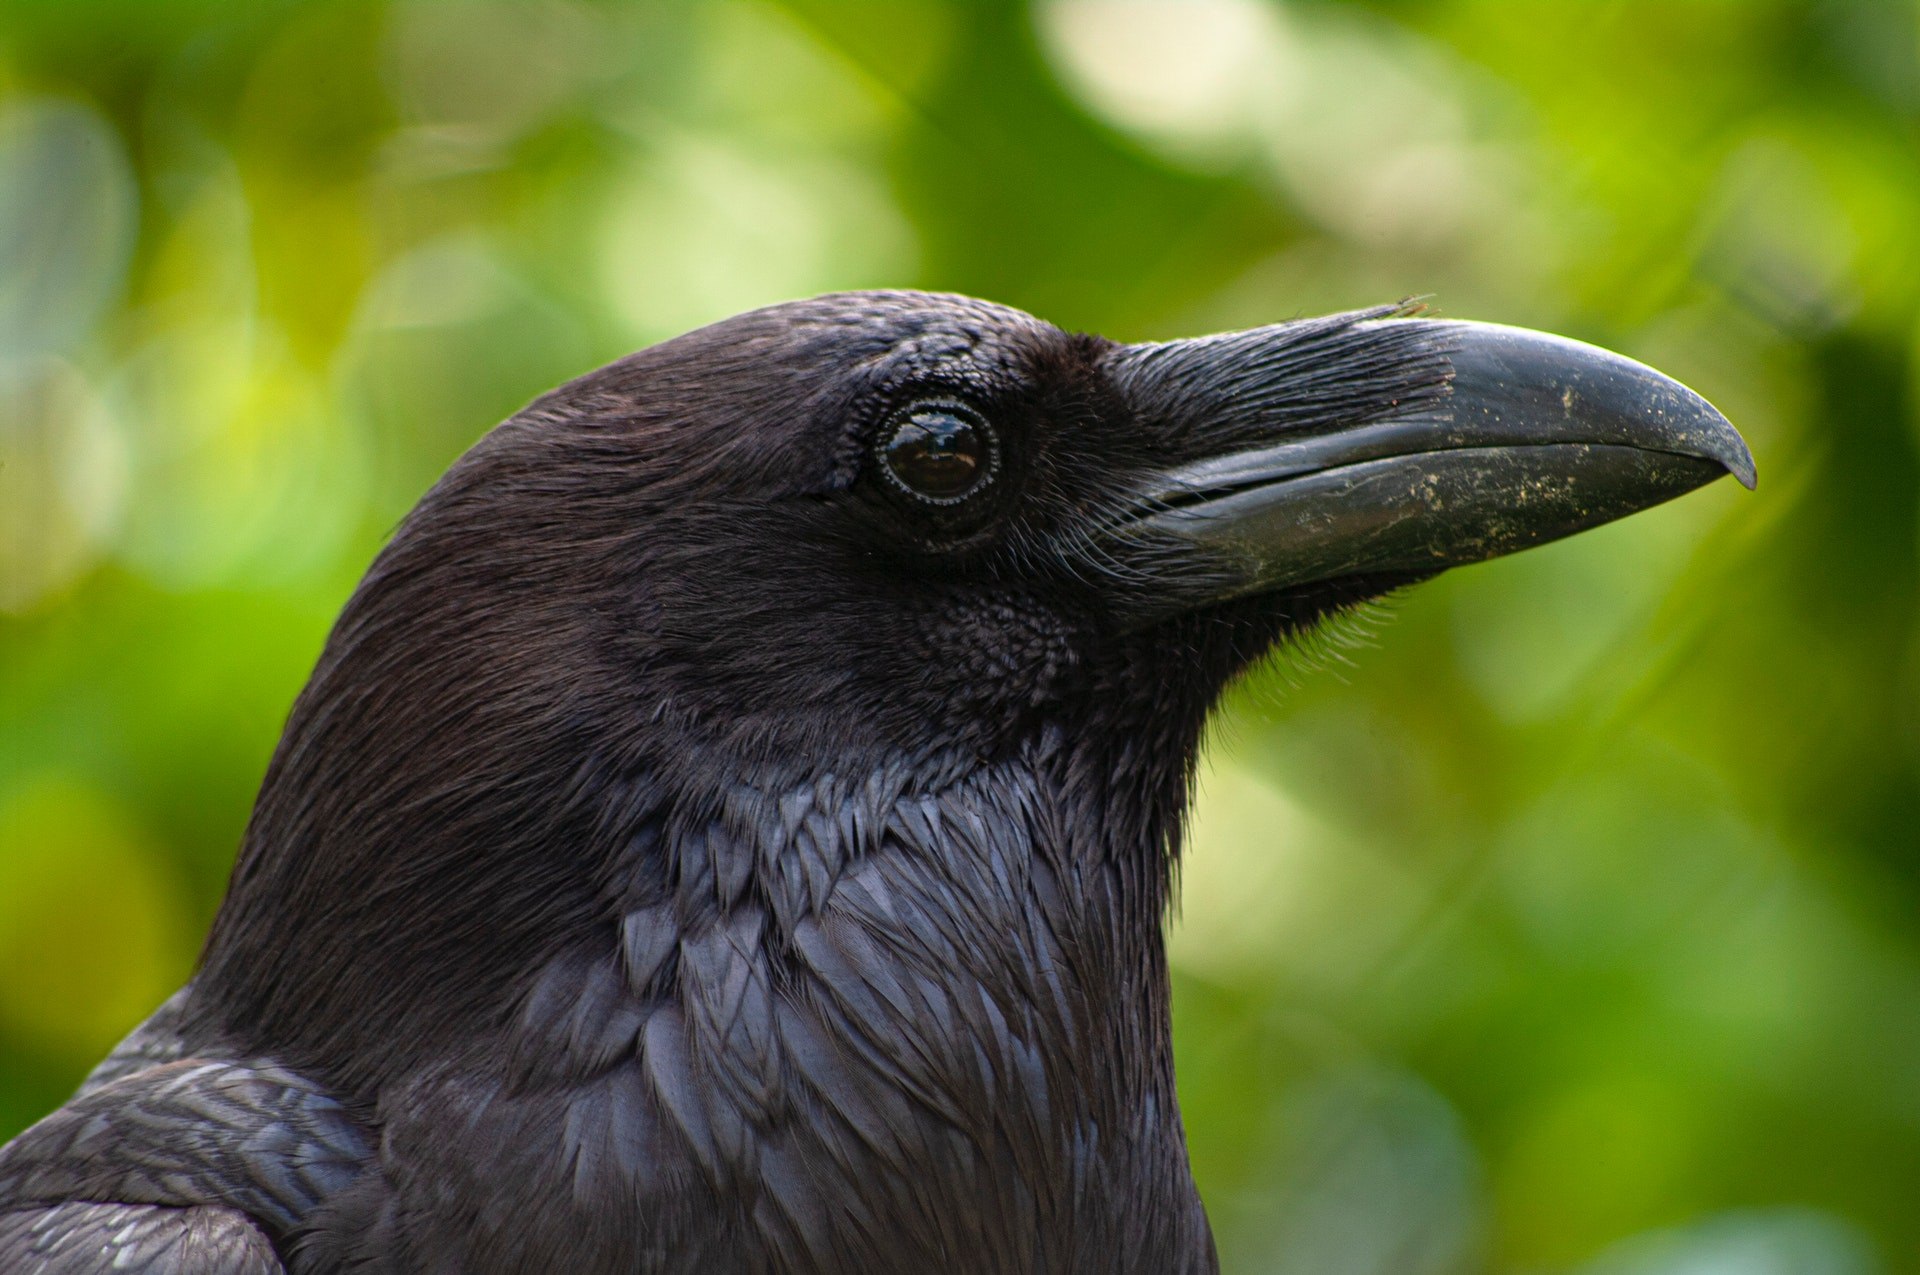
{"x": 687, "y": 856}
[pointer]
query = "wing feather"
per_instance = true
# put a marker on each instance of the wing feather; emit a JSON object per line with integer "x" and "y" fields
{"x": 133, "y": 1239}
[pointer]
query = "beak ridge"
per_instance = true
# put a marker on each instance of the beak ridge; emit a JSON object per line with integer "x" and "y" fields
{"x": 1512, "y": 383}
{"x": 1532, "y": 437}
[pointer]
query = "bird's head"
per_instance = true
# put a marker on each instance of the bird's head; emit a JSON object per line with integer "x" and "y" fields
{"x": 835, "y": 533}
{"x": 898, "y": 521}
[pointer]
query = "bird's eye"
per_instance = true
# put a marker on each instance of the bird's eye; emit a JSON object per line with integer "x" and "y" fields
{"x": 939, "y": 452}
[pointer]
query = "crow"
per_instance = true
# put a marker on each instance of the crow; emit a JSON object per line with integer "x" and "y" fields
{"x": 730, "y": 827}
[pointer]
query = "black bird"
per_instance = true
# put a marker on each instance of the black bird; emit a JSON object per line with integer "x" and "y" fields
{"x": 730, "y": 827}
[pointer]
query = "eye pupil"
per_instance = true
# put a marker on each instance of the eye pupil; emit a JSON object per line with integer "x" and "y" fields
{"x": 940, "y": 453}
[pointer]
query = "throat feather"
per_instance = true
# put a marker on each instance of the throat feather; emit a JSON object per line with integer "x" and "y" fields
{"x": 918, "y": 962}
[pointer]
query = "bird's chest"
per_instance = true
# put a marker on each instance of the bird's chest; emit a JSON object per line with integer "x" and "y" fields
{"x": 920, "y": 1073}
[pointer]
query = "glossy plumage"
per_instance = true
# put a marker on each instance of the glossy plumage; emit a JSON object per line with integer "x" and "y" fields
{"x": 693, "y": 853}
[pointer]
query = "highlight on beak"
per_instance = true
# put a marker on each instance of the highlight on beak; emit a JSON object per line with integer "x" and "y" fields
{"x": 1518, "y": 439}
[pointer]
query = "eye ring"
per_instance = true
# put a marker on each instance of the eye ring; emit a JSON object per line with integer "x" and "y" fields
{"x": 939, "y": 452}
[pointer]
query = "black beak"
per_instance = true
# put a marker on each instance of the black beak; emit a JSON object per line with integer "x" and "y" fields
{"x": 1500, "y": 439}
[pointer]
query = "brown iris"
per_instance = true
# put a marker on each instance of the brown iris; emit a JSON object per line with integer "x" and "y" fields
{"x": 939, "y": 452}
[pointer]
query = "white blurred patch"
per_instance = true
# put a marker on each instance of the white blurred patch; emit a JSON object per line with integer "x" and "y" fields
{"x": 268, "y": 491}
{"x": 1368, "y": 1172}
{"x": 68, "y": 208}
{"x": 1760, "y": 1242}
{"x": 760, "y": 188}
{"x": 1359, "y": 123}
{"x": 453, "y": 279}
{"x": 63, "y": 479}
{"x": 1191, "y": 76}
{"x": 709, "y": 228}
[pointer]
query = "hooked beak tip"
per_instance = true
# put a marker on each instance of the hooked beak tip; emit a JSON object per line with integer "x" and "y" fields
{"x": 1503, "y": 374}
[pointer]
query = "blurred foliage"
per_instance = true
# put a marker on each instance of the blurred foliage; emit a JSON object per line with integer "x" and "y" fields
{"x": 1570, "y": 922}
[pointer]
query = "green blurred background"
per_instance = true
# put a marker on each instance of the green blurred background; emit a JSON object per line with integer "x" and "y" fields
{"x": 1563, "y": 918}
